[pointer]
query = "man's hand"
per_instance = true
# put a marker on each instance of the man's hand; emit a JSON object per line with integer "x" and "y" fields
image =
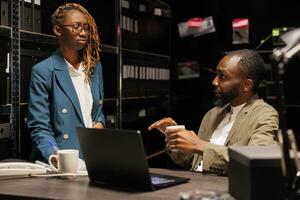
{"x": 162, "y": 124}
{"x": 185, "y": 141}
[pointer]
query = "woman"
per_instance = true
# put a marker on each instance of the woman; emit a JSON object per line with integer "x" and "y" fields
{"x": 66, "y": 89}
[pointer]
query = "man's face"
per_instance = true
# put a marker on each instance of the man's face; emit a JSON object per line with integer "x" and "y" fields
{"x": 74, "y": 30}
{"x": 228, "y": 82}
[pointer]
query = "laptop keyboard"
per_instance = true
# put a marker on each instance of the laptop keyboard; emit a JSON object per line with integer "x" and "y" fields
{"x": 160, "y": 180}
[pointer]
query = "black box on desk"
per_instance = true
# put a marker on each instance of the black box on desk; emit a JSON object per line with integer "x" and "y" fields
{"x": 255, "y": 173}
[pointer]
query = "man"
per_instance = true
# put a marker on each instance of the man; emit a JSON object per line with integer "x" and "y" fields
{"x": 238, "y": 118}
{"x": 66, "y": 89}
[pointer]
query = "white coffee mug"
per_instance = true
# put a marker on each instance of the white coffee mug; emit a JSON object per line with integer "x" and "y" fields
{"x": 173, "y": 128}
{"x": 67, "y": 161}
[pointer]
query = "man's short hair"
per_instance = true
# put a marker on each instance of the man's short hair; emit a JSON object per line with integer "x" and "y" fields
{"x": 251, "y": 64}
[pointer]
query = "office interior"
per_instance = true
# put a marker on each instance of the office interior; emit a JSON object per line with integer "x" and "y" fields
{"x": 144, "y": 66}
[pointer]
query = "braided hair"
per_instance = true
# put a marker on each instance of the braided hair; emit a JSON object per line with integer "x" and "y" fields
{"x": 90, "y": 54}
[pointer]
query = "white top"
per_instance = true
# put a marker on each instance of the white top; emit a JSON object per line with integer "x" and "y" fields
{"x": 222, "y": 131}
{"x": 84, "y": 94}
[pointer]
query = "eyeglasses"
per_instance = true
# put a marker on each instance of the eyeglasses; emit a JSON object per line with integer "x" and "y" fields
{"x": 77, "y": 28}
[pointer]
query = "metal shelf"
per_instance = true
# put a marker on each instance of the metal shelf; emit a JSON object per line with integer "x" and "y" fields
{"x": 6, "y": 109}
{"x": 41, "y": 39}
{"x": 141, "y": 53}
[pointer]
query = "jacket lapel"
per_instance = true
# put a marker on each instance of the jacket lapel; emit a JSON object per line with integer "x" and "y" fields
{"x": 65, "y": 82}
{"x": 95, "y": 93}
{"x": 239, "y": 117}
{"x": 236, "y": 124}
{"x": 218, "y": 116}
{"x": 93, "y": 86}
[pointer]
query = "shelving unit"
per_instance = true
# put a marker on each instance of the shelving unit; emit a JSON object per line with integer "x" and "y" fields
{"x": 135, "y": 37}
{"x": 141, "y": 36}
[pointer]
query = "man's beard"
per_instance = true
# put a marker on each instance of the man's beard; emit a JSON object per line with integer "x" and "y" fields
{"x": 222, "y": 99}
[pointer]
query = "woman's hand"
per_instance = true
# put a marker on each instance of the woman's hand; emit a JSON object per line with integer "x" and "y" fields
{"x": 98, "y": 125}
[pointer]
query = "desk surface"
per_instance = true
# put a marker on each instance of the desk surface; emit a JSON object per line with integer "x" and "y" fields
{"x": 80, "y": 188}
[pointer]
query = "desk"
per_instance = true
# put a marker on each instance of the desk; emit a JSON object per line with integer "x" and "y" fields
{"x": 79, "y": 188}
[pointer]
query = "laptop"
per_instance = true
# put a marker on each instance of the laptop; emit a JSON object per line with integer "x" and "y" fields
{"x": 117, "y": 157}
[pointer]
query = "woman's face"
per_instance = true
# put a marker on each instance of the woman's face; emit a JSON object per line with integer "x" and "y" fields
{"x": 74, "y": 30}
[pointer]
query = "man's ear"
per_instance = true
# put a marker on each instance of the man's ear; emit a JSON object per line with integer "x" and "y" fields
{"x": 248, "y": 85}
{"x": 56, "y": 30}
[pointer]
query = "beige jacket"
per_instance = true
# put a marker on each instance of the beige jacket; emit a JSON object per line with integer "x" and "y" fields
{"x": 256, "y": 124}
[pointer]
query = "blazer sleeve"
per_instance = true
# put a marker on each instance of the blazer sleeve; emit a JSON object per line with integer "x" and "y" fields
{"x": 98, "y": 110}
{"x": 181, "y": 159}
{"x": 189, "y": 161}
{"x": 215, "y": 158}
{"x": 38, "y": 118}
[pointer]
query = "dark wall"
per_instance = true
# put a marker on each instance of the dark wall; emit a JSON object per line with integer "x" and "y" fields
{"x": 192, "y": 98}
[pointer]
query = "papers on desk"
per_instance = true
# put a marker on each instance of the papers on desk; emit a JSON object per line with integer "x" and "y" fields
{"x": 81, "y": 171}
{"x": 20, "y": 169}
{"x": 27, "y": 169}
{"x": 81, "y": 165}
{"x": 67, "y": 175}
{"x": 14, "y": 173}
